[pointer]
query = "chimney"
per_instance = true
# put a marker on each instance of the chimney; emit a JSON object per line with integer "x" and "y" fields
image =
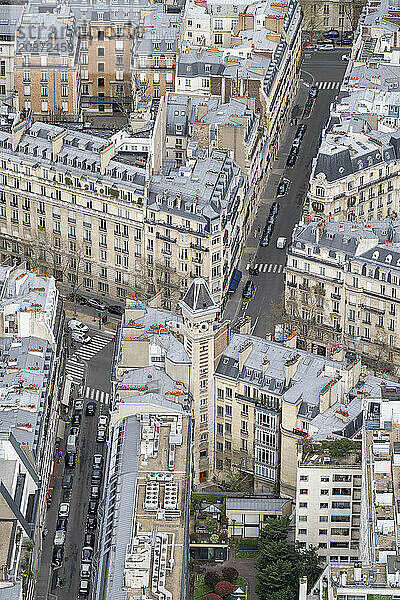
{"x": 337, "y": 353}
{"x": 319, "y": 230}
{"x": 265, "y": 365}
{"x": 244, "y": 353}
{"x": 290, "y": 368}
{"x": 57, "y": 143}
{"x": 268, "y": 336}
{"x": 357, "y": 572}
{"x": 245, "y": 326}
{"x": 17, "y": 131}
{"x": 106, "y": 154}
{"x": 290, "y": 339}
{"x": 303, "y": 588}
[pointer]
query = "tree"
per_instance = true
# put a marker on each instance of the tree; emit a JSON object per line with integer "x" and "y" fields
{"x": 313, "y": 20}
{"x": 223, "y": 588}
{"x": 230, "y": 574}
{"x": 311, "y": 564}
{"x": 211, "y": 578}
{"x": 212, "y": 597}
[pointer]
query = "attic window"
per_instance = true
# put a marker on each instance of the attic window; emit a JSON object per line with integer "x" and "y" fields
{"x": 388, "y": 258}
{"x": 375, "y": 255}
{"x": 341, "y": 169}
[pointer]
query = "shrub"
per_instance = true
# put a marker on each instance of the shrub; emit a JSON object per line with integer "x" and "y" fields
{"x": 211, "y": 578}
{"x": 230, "y": 574}
{"x": 212, "y": 597}
{"x": 223, "y": 588}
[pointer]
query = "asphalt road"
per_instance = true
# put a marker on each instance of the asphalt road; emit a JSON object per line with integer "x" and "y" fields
{"x": 98, "y": 378}
{"x": 317, "y": 67}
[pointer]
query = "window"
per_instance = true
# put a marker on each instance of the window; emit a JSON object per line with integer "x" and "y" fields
{"x": 302, "y": 518}
{"x": 45, "y": 107}
{"x": 323, "y": 519}
{"x": 218, "y": 38}
{"x": 303, "y": 491}
{"x": 302, "y": 531}
{"x": 100, "y": 67}
{"x": 303, "y": 504}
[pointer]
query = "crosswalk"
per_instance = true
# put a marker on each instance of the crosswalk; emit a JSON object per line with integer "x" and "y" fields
{"x": 328, "y": 85}
{"x": 75, "y": 366}
{"x": 267, "y": 267}
{"x": 97, "y": 395}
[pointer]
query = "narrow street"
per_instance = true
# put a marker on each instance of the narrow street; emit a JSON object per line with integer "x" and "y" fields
{"x": 324, "y": 69}
{"x": 97, "y": 369}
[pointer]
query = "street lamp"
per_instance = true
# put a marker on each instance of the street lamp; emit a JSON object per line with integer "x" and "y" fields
{"x": 233, "y": 528}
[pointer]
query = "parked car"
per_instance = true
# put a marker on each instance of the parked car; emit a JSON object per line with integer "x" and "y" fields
{"x": 67, "y": 481}
{"x": 89, "y": 540}
{"x": 78, "y": 326}
{"x": 96, "y": 475}
{"x": 313, "y": 93}
{"x": 282, "y": 187}
{"x": 281, "y": 242}
{"x": 92, "y": 507}
{"x": 270, "y": 220}
{"x": 96, "y": 304}
{"x": 346, "y": 57}
{"x": 91, "y": 522}
{"x": 325, "y": 47}
{"x": 101, "y": 435}
{"x": 248, "y": 290}
{"x": 59, "y": 537}
{"x": 102, "y": 421}
{"x": 274, "y": 209}
{"x": 291, "y": 160}
{"x": 62, "y": 523}
{"x": 81, "y": 338}
{"x": 98, "y": 461}
{"x": 85, "y": 571}
{"x": 84, "y": 587}
{"x": 90, "y": 409}
{"x": 265, "y": 240}
{"x": 94, "y": 492}
{"x": 57, "y": 557}
{"x": 87, "y": 553}
{"x": 301, "y": 129}
{"x": 76, "y": 420}
{"x": 78, "y": 405}
{"x": 114, "y": 309}
{"x": 63, "y": 510}
{"x": 70, "y": 459}
{"x": 80, "y": 299}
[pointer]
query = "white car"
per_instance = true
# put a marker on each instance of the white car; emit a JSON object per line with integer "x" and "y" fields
{"x": 96, "y": 304}
{"x": 85, "y": 570}
{"x": 82, "y": 338}
{"x": 345, "y": 57}
{"x": 281, "y": 242}
{"x": 103, "y": 421}
{"x": 63, "y": 510}
{"x": 76, "y": 325}
{"x": 78, "y": 405}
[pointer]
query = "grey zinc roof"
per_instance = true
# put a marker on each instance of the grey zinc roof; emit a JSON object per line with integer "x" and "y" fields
{"x": 255, "y": 503}
{"x": 198, "y": 296}
{"x": 11, "y": 590}
{"x": 155, "y": 378}
{"x": 10, "y": 16}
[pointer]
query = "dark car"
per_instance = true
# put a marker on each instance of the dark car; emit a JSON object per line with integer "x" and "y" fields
{"x": 69, "y": 460}
{"x": 90, "y": 409}
{"x": 282, "y": 188}
{"x": 271, "y": 220}
{"x": 114, "y": 309}
{"x": 91, "y": 522}
{"x": 87, "y": 554}
{"x": 313, "y": 93}
{"x": 67, "y": 481}
{"x": 248, "y": 290}
{"x": 76, "y": 421}
{"x": 98, "y": 461}
{"x": 89, "y": 540}
{"x": 294, "y": 150}
{"x": 74, "y": 431}
{"x": 291, "y": 160}
{"x": 92, "y": 508}
{"x": 95, "y": 492}
{"x": 58, "y": 555}
{"x": 62, "y": 523}
{"x": 274, "y": 209}
{"x": 301, "y": 130}
{"x": 265, "y": 240}
{"x": 253, "y": 271}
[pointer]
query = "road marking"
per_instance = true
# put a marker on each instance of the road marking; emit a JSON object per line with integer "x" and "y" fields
{"x": 267, "y": 267}
{"x": 95, "y": 395}
{"x": 328, "y": 85}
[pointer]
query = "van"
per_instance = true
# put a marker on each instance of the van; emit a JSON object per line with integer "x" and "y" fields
{"x": 281, "y": 242}
{"x": 71, "y": 443}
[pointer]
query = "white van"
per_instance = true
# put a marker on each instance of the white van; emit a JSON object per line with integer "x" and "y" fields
{"x": 281, "y": 242}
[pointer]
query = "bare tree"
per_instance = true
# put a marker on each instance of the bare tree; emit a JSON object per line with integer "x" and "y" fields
{"x": 313, "y": 20}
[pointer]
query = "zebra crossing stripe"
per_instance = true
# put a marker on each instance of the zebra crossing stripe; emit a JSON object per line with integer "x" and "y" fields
{"x": 97, "y": 395}
{"x": 92, "y": 394}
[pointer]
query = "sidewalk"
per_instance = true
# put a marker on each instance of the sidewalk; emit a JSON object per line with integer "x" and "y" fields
{"x": 266, "y": 197}
{"x": 91, "y": 320}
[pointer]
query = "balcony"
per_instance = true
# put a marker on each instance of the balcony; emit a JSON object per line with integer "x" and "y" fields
{"x": 198, "y": 247}
{"x": 165, "y": 238}
{"x": 166, "y": 251}
{"x": 335, "y": 296}
{"x": 291, "y": 284}
{"x": 304, "y": 286}
{"x": 197, "y": 259}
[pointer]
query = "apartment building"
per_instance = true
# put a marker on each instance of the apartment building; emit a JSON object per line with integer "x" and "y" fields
{"x": 338, "y": 15}
{"x": 377, "y": 571}
{"x": 356, "y": 172}
{"x": 10, "y": 16}
{"x": 253, "y": 400}
{"x": 155, "y": 52}
{"x": 328, "y": 500}
{"x": 46, "y": 64}
{"x": 341, "y": 287}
